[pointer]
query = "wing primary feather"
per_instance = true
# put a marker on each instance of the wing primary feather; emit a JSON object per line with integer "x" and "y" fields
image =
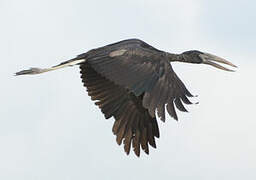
{"x": 136, "y": 142}
{"x": 151, "y": 138}
{"x": 125, "y": 115}
{"x": 127, "y": 141}
{"x": 186, "y": 100}
{"x": 129, "y": 131}
{"x": 171, "y": 110}
{"x": 161, "y": 111}
{"x": 144, "y": 140}
{"x": 179, "y": 105}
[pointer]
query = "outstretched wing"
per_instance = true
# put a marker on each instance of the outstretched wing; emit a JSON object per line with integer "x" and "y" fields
{"x": 146, "y": 72}
{"x": 133, "y": 123}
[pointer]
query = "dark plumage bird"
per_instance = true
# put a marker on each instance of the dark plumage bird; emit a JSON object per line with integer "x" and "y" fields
{"x": 132, "y": 81}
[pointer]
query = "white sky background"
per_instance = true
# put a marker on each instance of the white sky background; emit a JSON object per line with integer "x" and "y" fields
{"x": 49, "y": 127}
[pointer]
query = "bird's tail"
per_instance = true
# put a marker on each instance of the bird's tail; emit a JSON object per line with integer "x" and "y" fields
{"x": 32, "y": 71}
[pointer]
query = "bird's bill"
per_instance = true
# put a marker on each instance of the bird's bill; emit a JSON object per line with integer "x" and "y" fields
{"x": 210, "y": 59}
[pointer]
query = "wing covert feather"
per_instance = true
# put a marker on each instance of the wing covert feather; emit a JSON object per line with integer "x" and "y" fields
{"x": 147, "y": 73}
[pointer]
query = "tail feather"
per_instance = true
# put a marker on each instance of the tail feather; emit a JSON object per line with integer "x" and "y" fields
{"x": 33, "y": 71}
{"x": 30, "y": 71}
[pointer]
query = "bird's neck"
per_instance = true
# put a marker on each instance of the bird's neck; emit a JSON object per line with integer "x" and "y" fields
{"x": 175, "y": 57}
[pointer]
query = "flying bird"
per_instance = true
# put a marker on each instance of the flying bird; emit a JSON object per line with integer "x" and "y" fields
{"x": 132, "y": 81}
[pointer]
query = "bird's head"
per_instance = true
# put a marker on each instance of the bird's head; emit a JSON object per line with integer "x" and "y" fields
{"x": 198, "y": 57}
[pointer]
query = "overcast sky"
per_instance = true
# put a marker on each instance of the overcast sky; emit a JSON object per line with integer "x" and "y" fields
{"x": 49, "y": 127}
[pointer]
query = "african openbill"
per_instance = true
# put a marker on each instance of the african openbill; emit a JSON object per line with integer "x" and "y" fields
{"x": 131, "y": 81}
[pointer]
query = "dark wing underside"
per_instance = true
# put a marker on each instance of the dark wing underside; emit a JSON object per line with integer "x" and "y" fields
{"x": 133, "y": 124}
{"x": 145, "y": 73}
{"x": 130, "y": 85}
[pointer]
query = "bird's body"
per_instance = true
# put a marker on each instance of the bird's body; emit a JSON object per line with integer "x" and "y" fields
{"x": 131, "y": 81}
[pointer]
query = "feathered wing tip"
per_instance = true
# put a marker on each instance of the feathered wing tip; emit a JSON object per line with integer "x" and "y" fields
{"x": 182, "y": 97}
{"x": 133, "y": 127}
{"x": 165, "y": 96}
{"x": 140, "y": 135}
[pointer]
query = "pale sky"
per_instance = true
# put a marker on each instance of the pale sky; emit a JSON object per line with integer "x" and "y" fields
{"x": 50, "y": 129}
